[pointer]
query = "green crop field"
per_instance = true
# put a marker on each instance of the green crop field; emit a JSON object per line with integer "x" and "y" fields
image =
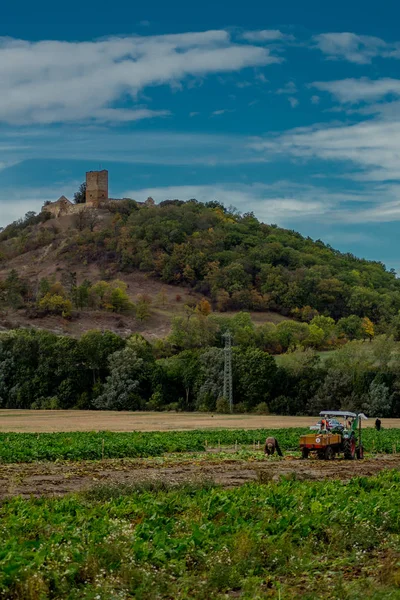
{"x": 30, "y": 447}
{"x": 284, "y": 538}
{"x": 287, "y": 540}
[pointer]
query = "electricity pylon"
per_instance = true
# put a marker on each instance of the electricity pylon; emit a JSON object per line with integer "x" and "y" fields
{"x": 228, "y": 395}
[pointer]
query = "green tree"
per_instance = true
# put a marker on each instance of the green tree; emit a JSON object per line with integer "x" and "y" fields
{"x": 14, "y": 290}
{"x": 99, "y": 292}
{"x": 119, "y": 300}
{"x": 350, "y": 327}
{"x": 194, "y": 331}
{"x": 210, "y": 385}
{"x": 254, "y": 377}
{"x": 290, "y": 334}
{"x": 120, "y": 390}
{"x": 315, "y": 337}
{"x": 43, "y": 287}
{"x": 96, "y": 346}
{"x": 56, "y": 304}
{"x": 80, "y": 195}
{"x": 142, "y": 308}
{"x": 327, "y": 324}
{"x": 379, "y": 402}
{"x": 394, "y": 327}
{"x": 182, "y": 373}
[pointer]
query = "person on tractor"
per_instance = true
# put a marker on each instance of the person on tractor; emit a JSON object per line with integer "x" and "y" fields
{"x": 271, "y": 444}
{"x": 324, "y": 424}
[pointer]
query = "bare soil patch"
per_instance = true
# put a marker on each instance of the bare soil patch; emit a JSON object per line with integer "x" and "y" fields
{"x": 48, "y": 479}
{"x": 42, "y": 421}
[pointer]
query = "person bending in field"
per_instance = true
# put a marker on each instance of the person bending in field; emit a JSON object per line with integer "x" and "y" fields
{"x": 271, "y": 444}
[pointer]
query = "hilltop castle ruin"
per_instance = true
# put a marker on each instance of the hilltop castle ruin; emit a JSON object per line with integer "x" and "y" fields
{"x": 96, "y": 197}
{"x": 96, "y": 187}
{"x": 96, "y": 194}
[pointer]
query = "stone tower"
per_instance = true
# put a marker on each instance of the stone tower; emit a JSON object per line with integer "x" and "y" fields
{"x": 96, "y": 187}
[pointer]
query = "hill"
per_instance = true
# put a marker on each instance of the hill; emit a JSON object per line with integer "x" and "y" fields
{"x": 176, "y": 253}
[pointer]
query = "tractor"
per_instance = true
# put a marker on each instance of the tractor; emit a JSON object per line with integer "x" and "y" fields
{"x": 337, "y": 432}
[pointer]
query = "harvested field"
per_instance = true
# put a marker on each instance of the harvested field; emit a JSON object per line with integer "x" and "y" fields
{"x": 48, "y": 479}
{"x": 85, "y": 420}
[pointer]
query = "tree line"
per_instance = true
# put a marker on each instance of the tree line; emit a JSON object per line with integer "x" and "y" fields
{"x": 51, "y": 296}
{"x": 100, "y": 370}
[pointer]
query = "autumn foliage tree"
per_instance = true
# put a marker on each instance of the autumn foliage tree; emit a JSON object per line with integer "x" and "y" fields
{"x": 203, "y": 307}
{"x": 368, "y": 328}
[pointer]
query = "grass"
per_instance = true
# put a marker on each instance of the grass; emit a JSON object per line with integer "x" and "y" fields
{"x": 285, "y": 540}
{"x": 30, "y": 447}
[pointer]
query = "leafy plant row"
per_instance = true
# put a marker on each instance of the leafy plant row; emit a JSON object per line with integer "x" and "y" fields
{"x": 31, "y": 447}
{"x": 289, "y": 539}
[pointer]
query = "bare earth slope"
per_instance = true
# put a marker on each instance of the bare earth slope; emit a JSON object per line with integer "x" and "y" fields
{"x": 45, "y": 479}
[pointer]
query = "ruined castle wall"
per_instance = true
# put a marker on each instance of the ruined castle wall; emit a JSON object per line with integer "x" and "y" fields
{"x": 51, "y": 208}
{"x": 96, "y": 187}
{"x": 59, "y": 210}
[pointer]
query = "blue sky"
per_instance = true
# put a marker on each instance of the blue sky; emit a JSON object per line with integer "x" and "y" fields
{"x": 289, "y": 109}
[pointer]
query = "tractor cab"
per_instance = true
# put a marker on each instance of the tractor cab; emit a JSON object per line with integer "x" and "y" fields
{"x": 337, "y": 432}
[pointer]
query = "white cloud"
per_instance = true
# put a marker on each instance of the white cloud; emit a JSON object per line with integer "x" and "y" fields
{"x": 315, "y": 99}
{"x": 222, "y": 111}
{"x": 6, "y": 164}
{"x": 265, "y": 200}
{"x": 289, "y": 88}
{"x": 265, "y": 35}
{"x": 102, "y": 144}
{"x": 55, "y": 81}
{"x": 17, "y": 201}
{"x": 355, "y": 48}
{"x": 11, "y": 211}
{"x": 287, "y": 203}
{"x": 371, "y": 147}
{"x": 293, "y": 101}
{"x": 360, "y": 90}
{"x": 261, "y": 77}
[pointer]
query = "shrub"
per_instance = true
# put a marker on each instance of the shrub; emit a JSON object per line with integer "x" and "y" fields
{"x": 262, "y": 409}
{"x": 56, "y": 304}
{"x": 46, "y": 404}
{"x": 222, "y": 406}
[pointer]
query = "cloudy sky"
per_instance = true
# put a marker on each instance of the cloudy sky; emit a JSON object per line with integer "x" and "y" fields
{"x": 291, "y": 111}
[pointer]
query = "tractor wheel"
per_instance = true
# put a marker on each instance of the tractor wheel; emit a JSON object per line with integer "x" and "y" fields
{"x": 349, "y": 449}
{"x": 329, "y": 453}
{"x": 305, "y": 453}
{"x": 360, "y": 452}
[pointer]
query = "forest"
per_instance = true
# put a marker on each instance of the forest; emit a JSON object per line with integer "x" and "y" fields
{"x": 101, "y": 370}
{"x": 233, "y": 259}
{"x": 337, "y": 346}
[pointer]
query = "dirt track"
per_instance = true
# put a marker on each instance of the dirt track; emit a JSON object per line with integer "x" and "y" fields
{"x": 46, "y": 479}
{"x": 40, "y": 421}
